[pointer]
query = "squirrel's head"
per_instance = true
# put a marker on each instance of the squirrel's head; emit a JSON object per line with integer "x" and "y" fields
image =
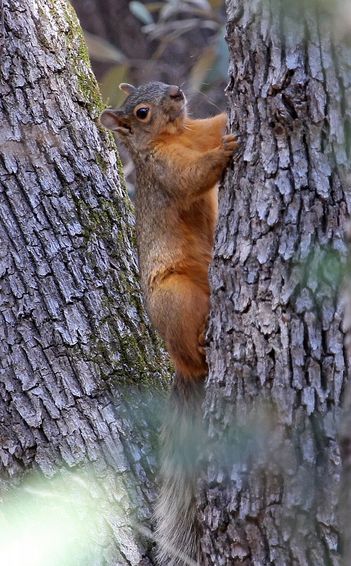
{"x": 148, "y": 111}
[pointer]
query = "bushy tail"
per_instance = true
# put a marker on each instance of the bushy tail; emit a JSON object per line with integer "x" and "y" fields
{"x": 178, "y": 531}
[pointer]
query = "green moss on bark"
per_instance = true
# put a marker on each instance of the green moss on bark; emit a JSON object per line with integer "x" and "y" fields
{"x": 127, "y": 357}
{"x": 79, "y": 58}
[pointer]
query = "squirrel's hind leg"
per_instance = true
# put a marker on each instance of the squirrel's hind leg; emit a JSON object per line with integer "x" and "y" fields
{"x": 179, "y": 309}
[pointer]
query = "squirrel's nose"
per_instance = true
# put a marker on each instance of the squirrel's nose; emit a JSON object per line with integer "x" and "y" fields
{"x": 175, "y": 92}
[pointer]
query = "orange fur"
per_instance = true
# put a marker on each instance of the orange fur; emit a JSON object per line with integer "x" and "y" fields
{"x": 179, "y": 299}
{"x": 179, "y": 162}
{"x": 180, "y": 306}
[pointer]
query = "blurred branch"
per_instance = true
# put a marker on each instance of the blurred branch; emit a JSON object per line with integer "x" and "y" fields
{"x": 102, "y": 50}
{"x": 172, "y": 30}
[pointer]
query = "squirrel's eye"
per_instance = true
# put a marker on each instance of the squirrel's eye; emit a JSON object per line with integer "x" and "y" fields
{"x": 141, "y": 113}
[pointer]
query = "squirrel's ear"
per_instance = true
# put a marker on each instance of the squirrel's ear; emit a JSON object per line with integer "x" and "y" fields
{"x": 115, "y": 120}
{"x": 127, "y": 88}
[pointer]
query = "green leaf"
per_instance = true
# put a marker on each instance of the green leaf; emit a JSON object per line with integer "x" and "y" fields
{"x": 102, "y": 50}
{"x": 202, "y": 67}
{"x": 109, "y": 85}
{"x": 141, "y": 12}
{"x": 222, "y": 53}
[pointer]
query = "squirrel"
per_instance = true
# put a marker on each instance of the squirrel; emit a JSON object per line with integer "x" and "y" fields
{"x": 178, "y": 163}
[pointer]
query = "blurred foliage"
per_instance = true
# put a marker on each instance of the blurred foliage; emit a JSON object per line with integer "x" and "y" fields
{"x": 104, "y": 51}
{"x": 163, "y": 23}
{"x": 67, "y": 520}
{"x": 173, "y": 41}
{"x": 48, "y": 522}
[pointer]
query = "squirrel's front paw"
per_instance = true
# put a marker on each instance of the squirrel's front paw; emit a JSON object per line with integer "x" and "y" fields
{"x": 230, "y": 144}
{"x": 202, "y": 337}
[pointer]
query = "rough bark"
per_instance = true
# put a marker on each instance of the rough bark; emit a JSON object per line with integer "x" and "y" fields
{"x": 345, "y": 428}
{"x": 79, "y": 365}
{"x": 278, "y": 367}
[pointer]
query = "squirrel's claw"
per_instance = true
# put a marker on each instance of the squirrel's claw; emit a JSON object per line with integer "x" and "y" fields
{"x": 230, "y": 144}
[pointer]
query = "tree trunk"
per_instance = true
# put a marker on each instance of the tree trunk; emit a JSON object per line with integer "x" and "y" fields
{"x": 79, "y": 364}
{"x": 344, "y": 433}
{"x": 278, "y": 367}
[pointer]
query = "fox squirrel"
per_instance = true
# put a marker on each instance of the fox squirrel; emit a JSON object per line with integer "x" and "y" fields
{"x": 178, "y": 163}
